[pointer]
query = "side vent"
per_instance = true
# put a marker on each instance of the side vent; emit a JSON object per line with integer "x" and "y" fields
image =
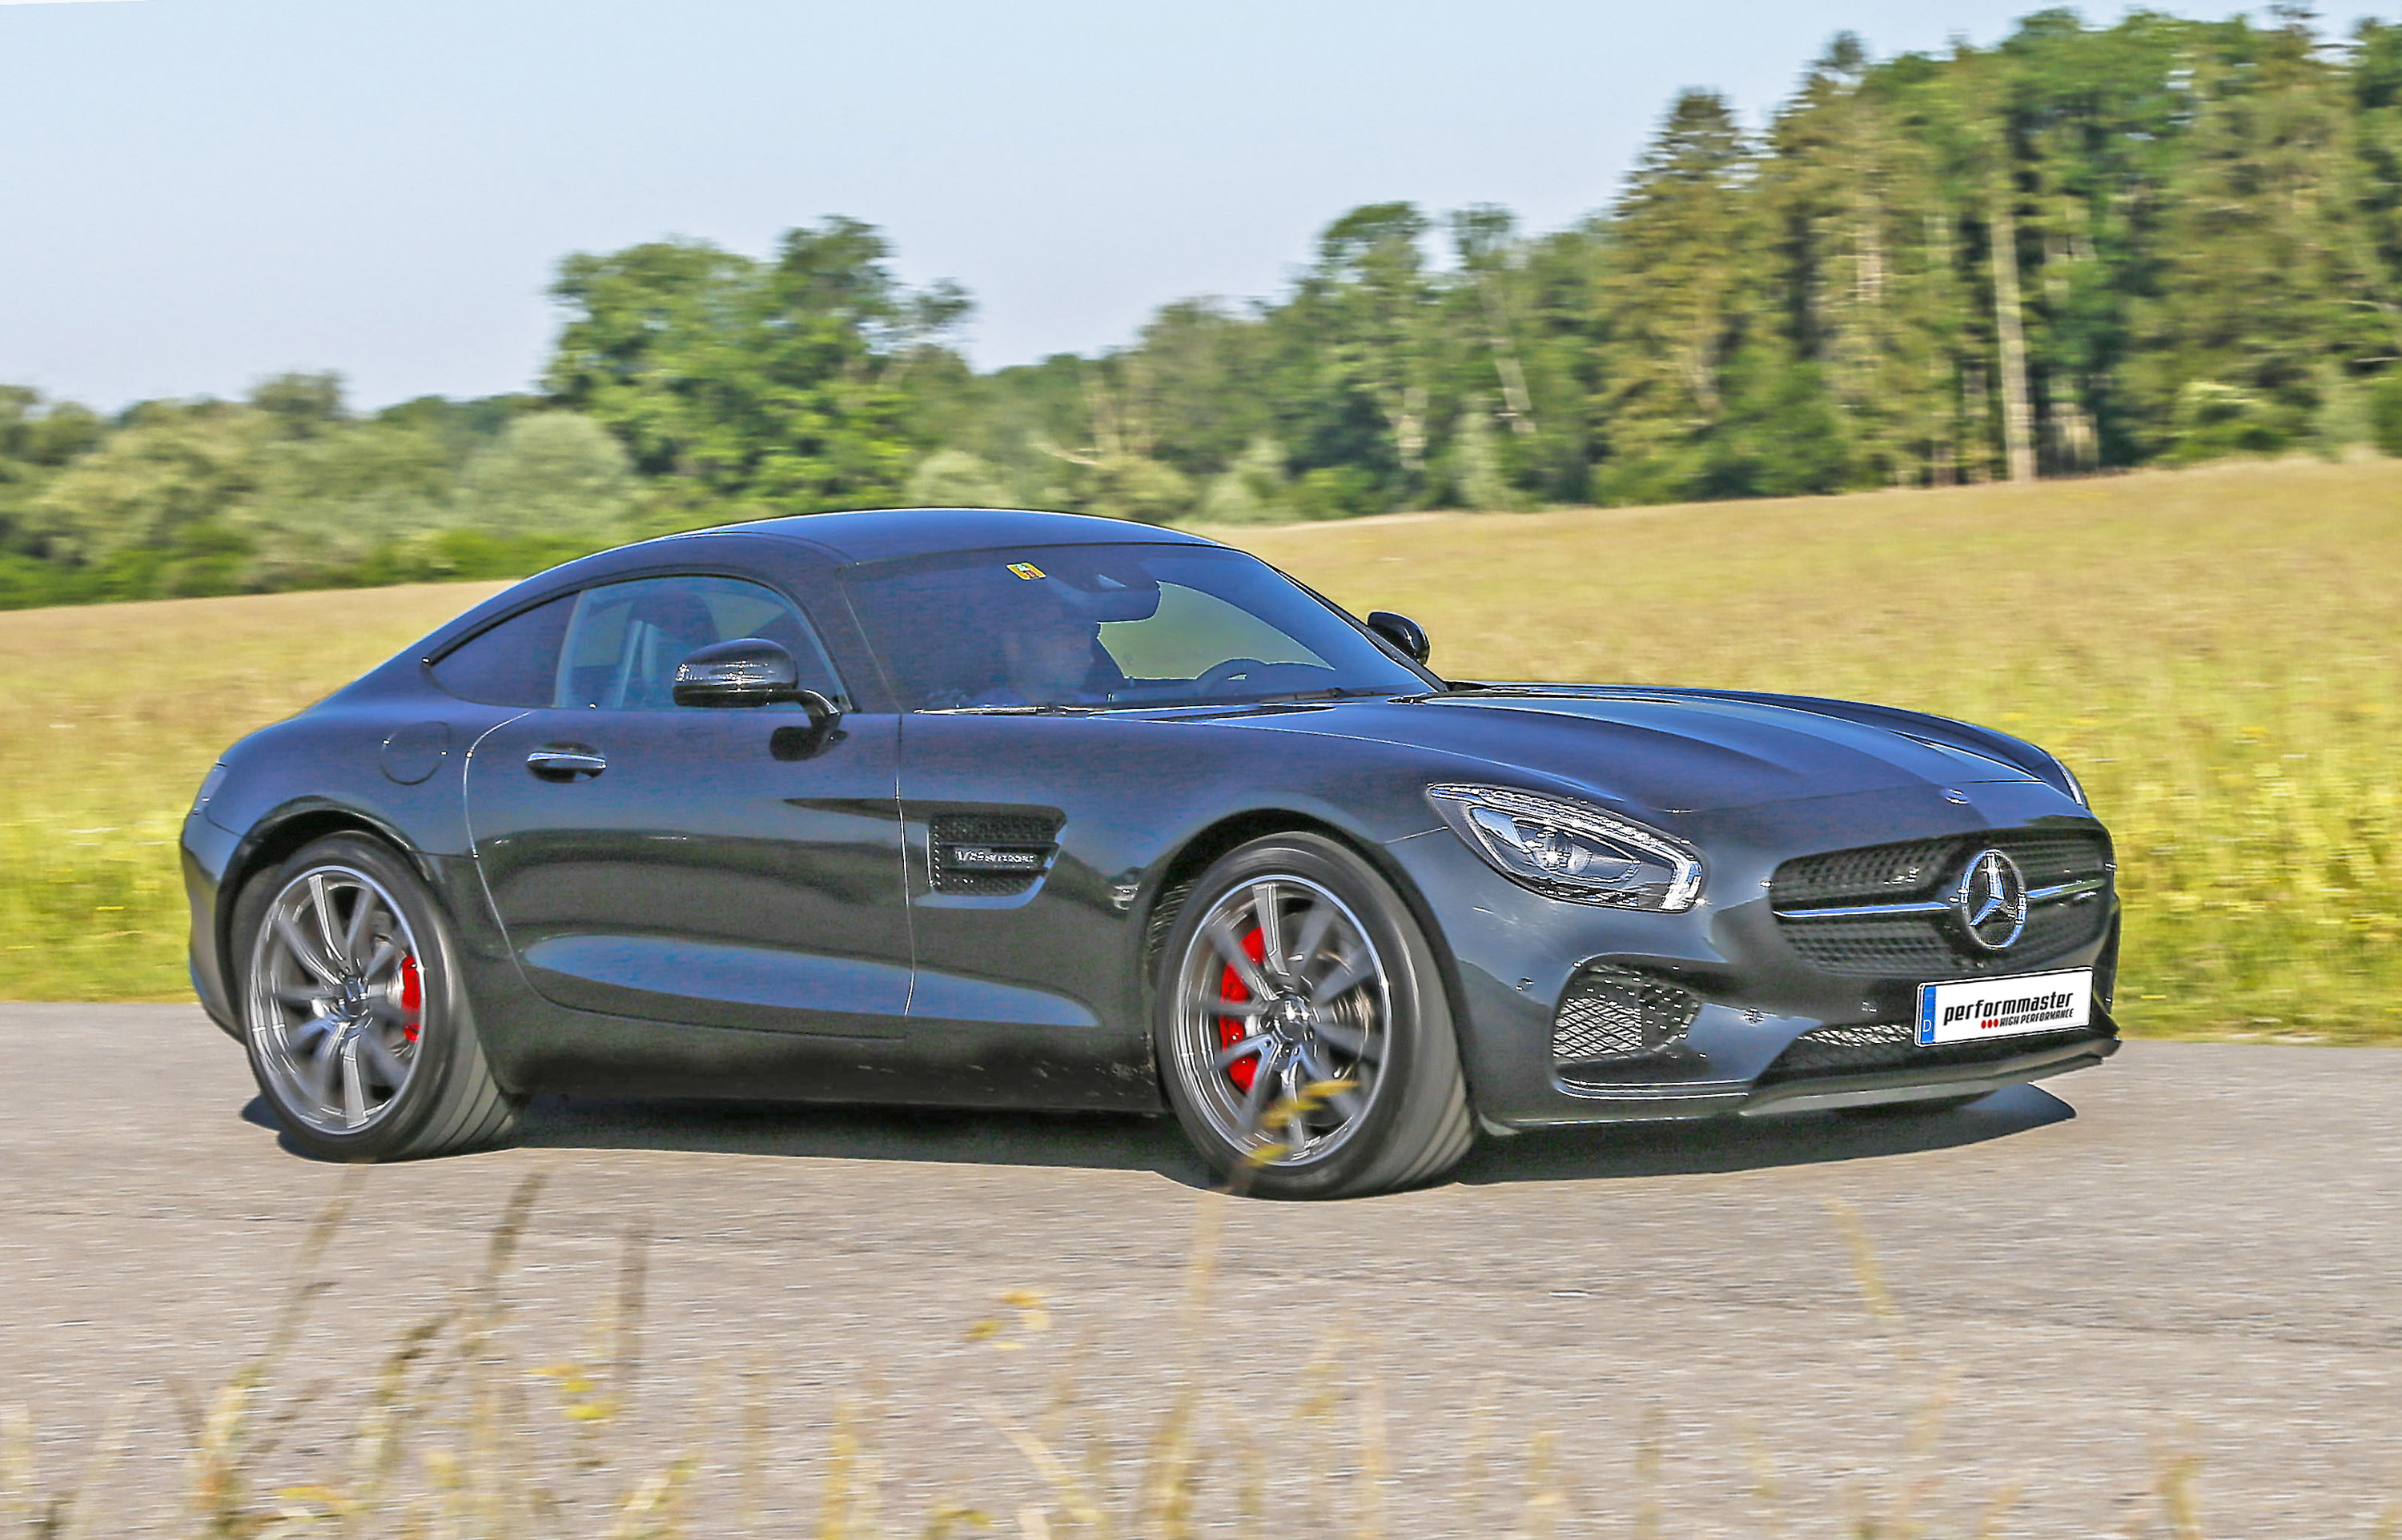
{"x": 991, "y": 854}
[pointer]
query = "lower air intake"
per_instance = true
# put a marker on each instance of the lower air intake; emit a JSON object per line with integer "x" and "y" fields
{"x": 1617, "y": 1013}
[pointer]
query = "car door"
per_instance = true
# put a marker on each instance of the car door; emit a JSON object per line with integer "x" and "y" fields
{"x": 734, "y": 868}
{"x": 1029, "y": 829}
{"x": 1026, "y": 837}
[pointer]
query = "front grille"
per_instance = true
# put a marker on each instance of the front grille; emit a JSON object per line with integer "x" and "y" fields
{"x": 1925, "y": 946}
{"x": 1866, "y": 1047}
{"x": 1617, "y": 1013}
{"x": 997, "y": 830}
{"x": 1866, "y": 875}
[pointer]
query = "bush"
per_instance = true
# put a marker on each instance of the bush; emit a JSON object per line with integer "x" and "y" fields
{"x": 954, "y": 478}
{"x": 554, "y": 475}
{"x": 2385, "y": 413}
{"x": 2216, "y": 419}
{"x": 1338, "y": 492}
{"x": 1131, "y": 487}
{"x": 1252, "y": 490}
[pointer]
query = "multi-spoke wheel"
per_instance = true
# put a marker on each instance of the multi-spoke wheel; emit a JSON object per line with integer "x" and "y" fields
{"x": 358, "y": 1036}
{"x": 337, "y": 1001}
{"x": 1302, "y": 1029}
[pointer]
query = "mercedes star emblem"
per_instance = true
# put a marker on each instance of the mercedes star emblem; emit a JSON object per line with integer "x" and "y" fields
{"x": 1991, "y": 900}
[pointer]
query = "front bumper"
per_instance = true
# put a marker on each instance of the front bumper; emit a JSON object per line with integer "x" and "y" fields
{"x": 207, "y": 851}
{"x": 1938, "y": 1079}
{"x": 1756, "y": 1042}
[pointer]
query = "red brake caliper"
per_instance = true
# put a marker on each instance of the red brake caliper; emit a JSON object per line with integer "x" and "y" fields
{"x": 1231, "y": 1029}
{"x": 413, "y": 999}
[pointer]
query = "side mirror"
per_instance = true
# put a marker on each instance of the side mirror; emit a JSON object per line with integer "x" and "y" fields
{"x": 1408, "y": 638}
{"x": 799, "y": 743}
{"x": 746, "y": 672}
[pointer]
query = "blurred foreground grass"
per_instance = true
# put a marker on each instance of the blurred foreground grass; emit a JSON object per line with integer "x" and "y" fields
{"x": 2218, "y": 652}
{"x": 469, "y": 1427}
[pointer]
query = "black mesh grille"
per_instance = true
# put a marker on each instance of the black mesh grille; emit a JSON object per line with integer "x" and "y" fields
{"x": 999, "y": 831}
{"x": 1866, "y": 875}
{"x": 1924, "y": 946}
{"x": 1917, "y": 869}
{"x": 1615, "y": 1013}
{"x": 1868, "y": 1047}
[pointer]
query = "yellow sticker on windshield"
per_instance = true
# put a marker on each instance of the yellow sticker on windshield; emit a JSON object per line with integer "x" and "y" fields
{"x": 1026, "y": 570}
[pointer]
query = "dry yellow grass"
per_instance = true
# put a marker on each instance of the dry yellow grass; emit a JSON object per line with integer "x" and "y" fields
{"x": 110, "y": 716}
{"x": 2214, "y": 652}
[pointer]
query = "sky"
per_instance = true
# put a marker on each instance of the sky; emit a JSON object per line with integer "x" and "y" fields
{"x": 196, "y": 194}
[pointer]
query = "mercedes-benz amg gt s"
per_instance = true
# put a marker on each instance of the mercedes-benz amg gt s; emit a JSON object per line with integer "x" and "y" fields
{"x": 1013, "y": 810}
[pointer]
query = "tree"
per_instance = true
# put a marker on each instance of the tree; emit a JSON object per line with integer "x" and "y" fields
{"x": 36, "y": 439}
{"x": 552, "y": 475}
{"x": 1678, "y": 300}
{"x": 154, "y": 490}
{"x": 1361, "y": 311}
{"x": 2263, "y": 281}
{"x": 782, "y": 384}
{"x": 328, "y": 498}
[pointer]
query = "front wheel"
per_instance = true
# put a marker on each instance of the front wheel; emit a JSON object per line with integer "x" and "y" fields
{"x": 358, "y": 1029}
{"x": 1302, "y": 1028}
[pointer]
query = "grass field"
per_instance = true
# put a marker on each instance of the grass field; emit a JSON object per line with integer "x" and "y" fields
{"x": 112, "y": 714}
{"x": 2217, "y": 654}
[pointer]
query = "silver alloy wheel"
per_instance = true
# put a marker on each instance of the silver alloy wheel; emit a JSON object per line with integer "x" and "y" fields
{"x": 1283, "y": 1018}
{"x": 336, "y": 999}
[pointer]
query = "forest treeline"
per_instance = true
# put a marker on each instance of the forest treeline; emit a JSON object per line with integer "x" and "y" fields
{"x": 2085, "y": 248}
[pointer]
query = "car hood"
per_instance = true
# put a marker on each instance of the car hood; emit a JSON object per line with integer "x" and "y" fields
{"x": 1675, "y": 751}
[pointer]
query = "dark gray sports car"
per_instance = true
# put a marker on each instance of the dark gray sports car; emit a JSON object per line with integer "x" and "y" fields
{"x": 1014, "y": 810}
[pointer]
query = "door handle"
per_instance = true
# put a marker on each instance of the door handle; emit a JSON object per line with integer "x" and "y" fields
{"x": 565, "y": 764}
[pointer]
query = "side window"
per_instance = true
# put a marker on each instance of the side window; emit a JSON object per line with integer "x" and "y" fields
{"x": 626, "y": 639}
{"x": 515, "y": 663}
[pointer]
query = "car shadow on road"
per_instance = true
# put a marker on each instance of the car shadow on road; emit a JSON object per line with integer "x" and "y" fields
{"x": 1120, "y": 1142}
{"x": 1098, "y": 1141}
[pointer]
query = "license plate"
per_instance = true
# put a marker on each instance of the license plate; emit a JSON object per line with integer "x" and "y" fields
{"x": 1975, "y": 1009}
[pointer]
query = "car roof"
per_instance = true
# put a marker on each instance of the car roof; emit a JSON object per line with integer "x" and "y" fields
{"x": 881, "y": 534}
{"x": 878, "y": 534}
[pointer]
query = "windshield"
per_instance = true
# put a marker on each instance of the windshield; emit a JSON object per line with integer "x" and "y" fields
{"x": 1102, "y": 626}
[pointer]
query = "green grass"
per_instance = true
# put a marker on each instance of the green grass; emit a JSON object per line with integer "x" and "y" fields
{"x": 2218, "y": 652}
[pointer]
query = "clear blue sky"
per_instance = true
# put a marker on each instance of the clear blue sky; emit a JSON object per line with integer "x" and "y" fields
{"x": 196, "y": 193}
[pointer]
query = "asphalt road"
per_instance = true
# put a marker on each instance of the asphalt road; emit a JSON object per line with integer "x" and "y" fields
{"x": 2187, "y": 1252}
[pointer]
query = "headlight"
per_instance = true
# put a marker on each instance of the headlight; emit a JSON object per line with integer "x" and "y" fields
{"x": 1572, "y": 850}
{"x": 2076, "y": 787}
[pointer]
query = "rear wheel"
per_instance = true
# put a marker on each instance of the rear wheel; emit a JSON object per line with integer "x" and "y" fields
{"x": 358, "y": 1029}
{"x": 1302, "y": 1028}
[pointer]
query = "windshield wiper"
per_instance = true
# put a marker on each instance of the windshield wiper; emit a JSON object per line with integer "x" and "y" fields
{"x": 1339, "y": 691}
{"x": 1010, "y": 710}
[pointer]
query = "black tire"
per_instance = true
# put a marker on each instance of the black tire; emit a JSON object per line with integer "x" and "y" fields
{"x": 1397, "y": 1114}
{"x": 359, "y": 1059}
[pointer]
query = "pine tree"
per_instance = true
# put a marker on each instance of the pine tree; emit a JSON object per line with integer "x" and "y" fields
{"x": 1677, "y": 300}
{"x": 2263, "y": 281}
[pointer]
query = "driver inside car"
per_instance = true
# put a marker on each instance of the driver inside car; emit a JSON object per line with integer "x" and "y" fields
{"x": 1046, "y": 657}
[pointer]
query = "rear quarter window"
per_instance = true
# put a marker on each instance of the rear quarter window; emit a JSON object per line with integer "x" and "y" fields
{"x": 515, "y": 663}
